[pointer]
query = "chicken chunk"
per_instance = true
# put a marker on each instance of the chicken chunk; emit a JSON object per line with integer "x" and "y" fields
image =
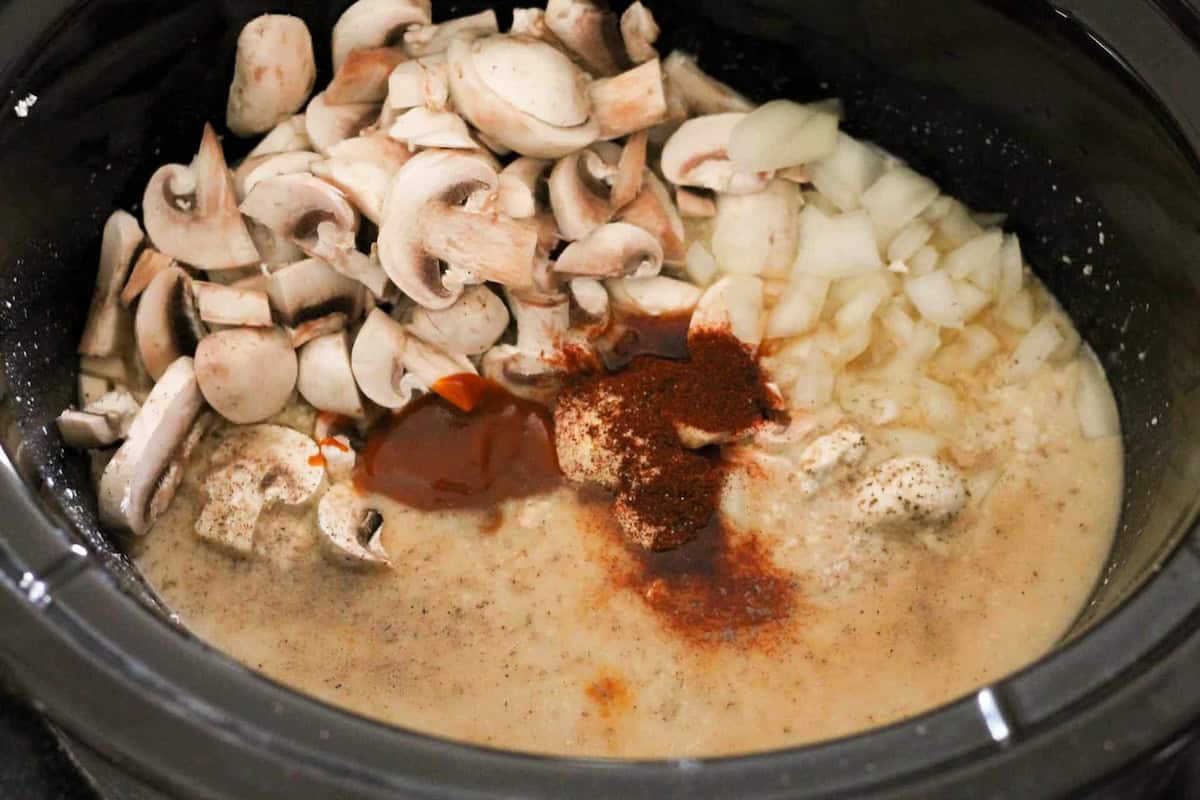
{"x": 910, "y": 494}
{"x": 829, "y": 455}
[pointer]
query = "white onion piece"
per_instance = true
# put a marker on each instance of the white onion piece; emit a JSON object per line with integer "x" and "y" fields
{"x": 990, "y": 219}
{"x": 974, "y": 345}
{"x": 971, "y": 299}
{"x": 1033, "y": 351}
{"x": 869, "y": 293}
{"x": 907, "y": 442}
{"x": 897, "y": 322}
{"x": 878, "y": 402}
{"x": 911, "y": 238}
{"x": 955, "y": 228}
{"x": 1012, "y": 269}
{"x": 939, "y": 404}
{"x": 756, "y": 234}
{"x": 1019, "y": 312}
{"x": 820, "y": 202}
{"x": 845, "y": 174}
{"x": 852, "y": 342}
{"x": 1094, "y": 401}
{"x": 937, "y": 209}
{"x": 836, "y": 247}
{"x": 896, "y": 199}
{"x": 936, "y": 299}
{"x": 924, "y": 261}
{"x": 1071, "y": 338}
{"x": 700, "y": 266}
{"x": 813, "y": 382}
{"x": 782, "y": 134}
{"x": 976, "y": 254}
{"x": 734, "y": 303}
{"x": 799, "y": 307}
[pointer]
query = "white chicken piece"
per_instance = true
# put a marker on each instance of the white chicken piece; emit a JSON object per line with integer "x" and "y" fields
{"x": 910, "y": 494}
{"x": 827, "y": 456}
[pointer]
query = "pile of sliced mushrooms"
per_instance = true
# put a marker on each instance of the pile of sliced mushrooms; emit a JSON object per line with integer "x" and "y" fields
{"x": 461, "y": 200}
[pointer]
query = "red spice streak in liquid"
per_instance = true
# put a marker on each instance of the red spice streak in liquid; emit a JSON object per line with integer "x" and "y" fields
{"x": 434, "y": 455}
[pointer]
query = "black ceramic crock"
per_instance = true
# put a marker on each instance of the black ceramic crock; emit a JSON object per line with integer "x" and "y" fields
{"x": 1080, "y": 119}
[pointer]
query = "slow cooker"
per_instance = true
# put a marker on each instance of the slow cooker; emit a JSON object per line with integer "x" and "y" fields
{"x": 1079, "y": 119}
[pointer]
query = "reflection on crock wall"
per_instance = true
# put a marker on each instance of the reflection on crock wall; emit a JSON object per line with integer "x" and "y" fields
{"x": 532, "y": 390}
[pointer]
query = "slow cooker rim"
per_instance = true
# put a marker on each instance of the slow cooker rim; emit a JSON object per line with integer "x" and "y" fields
{"x": 69, "y": 636}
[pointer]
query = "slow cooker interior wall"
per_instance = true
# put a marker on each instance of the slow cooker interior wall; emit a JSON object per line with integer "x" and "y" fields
{"x": 1004, "y": 103}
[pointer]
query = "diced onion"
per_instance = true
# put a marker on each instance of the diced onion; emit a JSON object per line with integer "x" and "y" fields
{"x": 701, "y": 267}
{"x": 896, "y": 199}
{"x": 836, "y": 247}
{"x": 976, "y": 254}
{"x": 782, "y": 134}
{"x": 1019, "y": 311}
{"x": 1012, "y": 269}
{"x": 813, "y": 384}
{"x": 897, "y": 322}
{"x": 911, "y": 238}
{"x": 936, "y": 299}
{"x": 937, "y": 209}
{"x": 955, "y": 228}
{"x": 973, "y": 346}
{"x": 924, "y": 261}
{"x": 820, "y": 202}
{"x": 939, "y": 403}
{"x": 799, "y": 308}
{"x": 878, "y": 402}
{"x": 908, "y": 442}
{"x": 755, "y": 234}
{"x": 845, "y": 174}
{"x": 735, "y": 302}
{"x": 1094, "y": 401}
{"x": 1034, "y": 350}
{"x": 852, "y": 342}
{"x": 971, "y": 299}
{"x": 869, "y": 293}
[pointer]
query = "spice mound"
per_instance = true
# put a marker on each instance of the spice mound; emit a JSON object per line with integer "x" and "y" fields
{"x": 647, "y": 434}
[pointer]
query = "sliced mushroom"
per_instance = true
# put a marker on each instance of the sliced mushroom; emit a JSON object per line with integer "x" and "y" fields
{"x": 362, "y": 168}
{"x": 427, "y": 40}
{"x": 694, "y": 204}
{"x": 326, "y": 379}
{"x": 254, "y": 170}
{"x": 149, "y": 263}
{"x": 273, "y": 73}
{"x": 377, "y": 360}
{"x": 698, "y": 155}
{"x": 286, "y": 137}
{"x": 533, "y": 368}
{"x": 227, "y": 305}
{"x": 654, "y": 211}
{"x": 631, "y": 169}
{"x": 420, "y": 82}
{"x": 246, "y": 374}
{"x": 499, "y": 109}
{"x": 339, "y": 456}
{"x": 328, "y": 124}
{"x": 167, "y": 324}
{"x": 590, "y": 32}
{"x": 305, "y": 332}
{"x": 427, "y": 364}
{"x": 91, "y": 388}
{"x": 639, "y": 31}
{"x": 430, "y": 219}
{"x": 84, "y": 430}
{"x": 352, "y": 532}
{"x": 659, "y": 296}
{"x": 629, "y": 102}
{"x": 121, "y": 239}
{"x": 521, "y": 189}
{"x": 734, "y": 304}
{"x": 191, "y": 212}
{"x": 590, "y": 307}
{"x": 368, "y": 24}
{"x": 702, "y": 93}
{"x": 614, "y": 250}
{"x": 420, "y": 127}
{"x": 580, "y": 195}
{"x": 132, "y": 476}
{"x": 469, "y": 327}
{"x": 363, "y": 78}
{"x": 311, "y": 289}
{"x": 256, "y": 467}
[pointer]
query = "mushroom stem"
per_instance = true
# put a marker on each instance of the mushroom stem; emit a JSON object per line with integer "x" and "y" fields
{"x": 121, "y": 239}
{"x": 630, "y": 169}
{"x": 490, "y": 247}
{"x": 629, "y": 102}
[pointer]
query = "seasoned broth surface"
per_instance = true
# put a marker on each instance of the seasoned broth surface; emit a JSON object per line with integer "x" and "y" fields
{"x": 541, "y": 630}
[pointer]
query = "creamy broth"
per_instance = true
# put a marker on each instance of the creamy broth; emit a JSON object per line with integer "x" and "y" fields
{"x": 522, "y": 630}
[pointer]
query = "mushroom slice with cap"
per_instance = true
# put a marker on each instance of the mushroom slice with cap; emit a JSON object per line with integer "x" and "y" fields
{"x": 694, "y": 205}
{"x": 580, "y": 194}
{"x": 363, "y": 78}
{"x": 590, "y": 32}
{"x": 631, "y": 170}
{"x": 246, "y": 374}
{"x": 305, "y": 332}
{"x": 659, "y": 296}
{"x": 339, "y": 456}
{"x": 191, "y": 212}
{"x": 167, "y": 324}
{"x": 629, "y": 102}
{"x": 702, "y": 93}
{"x": 256, "y": 467}
{"x": 254, "y": 170}
{"x": 121, "y": 239}
{"x": 132, "y": 476}
{"x": 521, "y": 189}
{"x": 368, "y": 24}
{"x": 104, "y": 420}
{"x": 227, "y": 305}
{"x": 654, "y": 211}
{"x": 469, "y": 327}
{"x": 351, "y": 531}
{"x": 149, "y": 263}
{"x": 430, "y": 219}
{"x": 420, "y": 82}
{"x": 273, "y": 73}
{"x": 377, "y": 360}
{"x": 612, "y": 251}
{"x": 362, "y": 168}
{"x": 426, "y": 366}
{"x": 326, "y": 379}
{"x": 698, "y": 155}
{"x": 519, "y": 108}
{"x": 591, "y": 310}
{"x": 328, "y": 124}
{"x": 91, "y": 387}
{"x": 286, "y": 137}
{"x": 311, "y": 289}
{"x": 542, "y": 324}
{"x": 639, "y": 31}
{"x": 420, "y": 127}
{"x": 427, "y": 40}
{"x": 734, "y": 304}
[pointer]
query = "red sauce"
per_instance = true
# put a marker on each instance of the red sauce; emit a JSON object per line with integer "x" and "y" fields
{"x": 609, "y": 692}
{"x": 434, "y": 455}
{"x": 634, "y": 335}
{"x": 317, "y": 460}
{"x": 464, "y": 391}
